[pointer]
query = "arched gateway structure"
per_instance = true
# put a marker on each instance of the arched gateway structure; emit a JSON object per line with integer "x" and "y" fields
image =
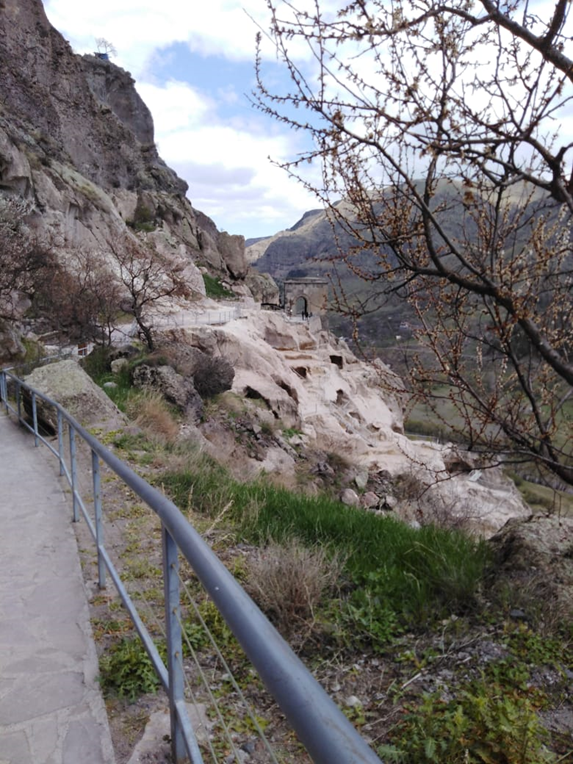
{"x": 306, "y": 296}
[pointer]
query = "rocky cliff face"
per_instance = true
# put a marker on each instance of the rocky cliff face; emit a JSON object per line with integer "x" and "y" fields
{"x": 77, "y": 141}
{"x": 309, "y": 385}
{"x": 312, "y": 239}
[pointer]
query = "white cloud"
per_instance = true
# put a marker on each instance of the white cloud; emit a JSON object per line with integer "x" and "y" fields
{"x": 214, "y": 141}
{"x": 175, "y": 106}
{"x": 226, "y": 165}
{"x": 138, "y": 28}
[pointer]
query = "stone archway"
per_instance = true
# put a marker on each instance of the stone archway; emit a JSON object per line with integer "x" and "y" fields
{"x": 301, "y": 307}
{"x": 306, "y": 296}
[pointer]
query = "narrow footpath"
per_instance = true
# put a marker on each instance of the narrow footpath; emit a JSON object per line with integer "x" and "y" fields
{"x": 51, "y": 709}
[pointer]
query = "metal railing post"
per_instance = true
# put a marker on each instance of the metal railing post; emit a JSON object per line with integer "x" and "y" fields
{"x": 98, "y": 519}
{"x": 61, "y": 441}
{"x": 35, "y": 419}
{"x": 174, "y": 642}
{"x": 322, "y": 728}
{"x": 19, "y": 400}
{"x": 4, "y": 390}
{"x": 74, "y": 471}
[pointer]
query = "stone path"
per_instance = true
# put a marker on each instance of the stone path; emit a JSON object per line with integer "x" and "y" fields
{"x": 51, "y": 709}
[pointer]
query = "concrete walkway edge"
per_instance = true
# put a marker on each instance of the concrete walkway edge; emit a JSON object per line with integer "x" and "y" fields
{"x": 51, "y": 707}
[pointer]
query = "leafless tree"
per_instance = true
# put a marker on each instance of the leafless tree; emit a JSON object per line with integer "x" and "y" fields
{"x": 440, "y": 125}
{"x": 82, "y": 299}
{"x": 149, "y": 277}
{"x": 105, "y": 46}
{"x": 26, "y": 258}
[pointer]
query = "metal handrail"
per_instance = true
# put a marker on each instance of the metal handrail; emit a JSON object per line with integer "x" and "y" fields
{"x": 322, "y": 728}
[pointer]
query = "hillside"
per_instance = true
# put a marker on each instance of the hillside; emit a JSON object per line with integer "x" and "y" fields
{"x": 77, "y": 148}
{"x": 401, "y": 615}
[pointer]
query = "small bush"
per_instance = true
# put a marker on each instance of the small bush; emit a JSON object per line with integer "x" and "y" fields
{"x": 367, "y": 617}
{"x": 126, "y": 670}
{"x": 289, "y": 580}
{"x": 214, "y": 288}
{"x": 153, "y": 414}
{"x": 143, "y": 219}
{"x": 97, "y": 364}
{"x": 486, "y": 723}
{"x": 214, "y": 375}
{"x": 409, "y": 486}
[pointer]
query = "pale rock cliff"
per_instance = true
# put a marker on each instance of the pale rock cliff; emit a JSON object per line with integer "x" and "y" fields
{"x": 310, "y": 381}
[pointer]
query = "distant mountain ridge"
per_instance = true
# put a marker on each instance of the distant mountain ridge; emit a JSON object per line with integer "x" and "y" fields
{"x": 315, "y": 241}
{"x": 313, "y": 237}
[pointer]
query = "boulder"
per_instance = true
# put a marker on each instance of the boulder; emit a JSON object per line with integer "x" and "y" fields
{"x": 175, "y": 388}
{"x": 232, "y": 249}
{"x": 350, "y": 498}
{"x": 68, "y": 384}
{"x": 118, "y": 365}
{"x": 263, "y": 287}
{"x": 390, "y": 502}
{"x": 535, "y": 556}
{"x": 361, "y": 479}
{"x": 11, "y": 346}
{"x": 277, "y": 462}
{"x": 483, "y": 505}
{"x": 370, "y": 500}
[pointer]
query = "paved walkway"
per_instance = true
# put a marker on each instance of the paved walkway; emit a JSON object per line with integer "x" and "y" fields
{"x": 51, "y": 710}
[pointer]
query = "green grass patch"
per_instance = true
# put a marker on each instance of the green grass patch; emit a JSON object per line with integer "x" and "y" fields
{"x": 126, "y": 670}
{"x": 214, "y": 288}
{"x": 97, "y": 365}
{"x": 417, "y": 574}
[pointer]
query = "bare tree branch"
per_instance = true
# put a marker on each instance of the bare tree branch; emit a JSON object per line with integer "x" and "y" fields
{"x": 438, "y": 123}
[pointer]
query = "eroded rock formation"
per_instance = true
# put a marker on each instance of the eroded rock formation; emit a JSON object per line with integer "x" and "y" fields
{"x": 77, "y": 141}
{"x": 306, "y": 380}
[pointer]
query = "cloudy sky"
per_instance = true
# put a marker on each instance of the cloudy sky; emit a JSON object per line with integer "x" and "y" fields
{"x": 194, "y": 64}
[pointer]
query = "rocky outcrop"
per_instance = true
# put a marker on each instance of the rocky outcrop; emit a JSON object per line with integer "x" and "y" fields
{"x": 263, "y": 287}
{"x": 309, "y": 381}
{"x": 68, "y": 384}
{"x": 232, "y": 250}
{"x": 536, "y": 556}
{"x": 114, "y": 88}
{"x": 312, "y": 239}
{"x": 77, "y": 141}
{"x": 75, "y": 110}
{"x": 176, "y": 389}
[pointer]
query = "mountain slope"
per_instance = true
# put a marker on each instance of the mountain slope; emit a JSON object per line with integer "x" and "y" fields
{"x": 77, "y": 143}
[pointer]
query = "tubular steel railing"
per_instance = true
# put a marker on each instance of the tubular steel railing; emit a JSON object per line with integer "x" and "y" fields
{"x": 325, "y": 732}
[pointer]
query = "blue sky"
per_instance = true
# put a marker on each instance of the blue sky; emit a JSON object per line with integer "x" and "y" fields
{"x": 194, "y": 64}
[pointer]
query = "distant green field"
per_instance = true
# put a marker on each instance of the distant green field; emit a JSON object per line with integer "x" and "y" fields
{"x": 422, "y": 422}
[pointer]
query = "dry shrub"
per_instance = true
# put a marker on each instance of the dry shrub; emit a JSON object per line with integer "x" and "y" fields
{"x": 434, "y": 510}
{"x": 213, "y": 375}
{"x": 154, "y": 416}
{"x": 409, "y": 487}
{"x": 288, "y": 581}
